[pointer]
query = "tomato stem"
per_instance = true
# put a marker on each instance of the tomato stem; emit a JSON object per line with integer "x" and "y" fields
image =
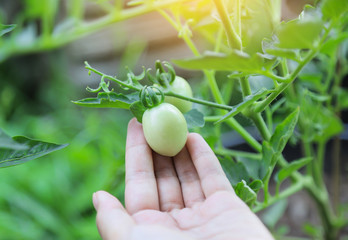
{"x": 233, "y": 38}
{"x": 130, "y": 86}
{"x": 200, "y": 101}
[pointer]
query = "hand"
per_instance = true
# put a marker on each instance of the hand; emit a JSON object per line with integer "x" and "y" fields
{"x": 186, "y": 197}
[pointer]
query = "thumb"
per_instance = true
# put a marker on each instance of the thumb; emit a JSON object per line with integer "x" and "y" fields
{"x": 113, "y": 221}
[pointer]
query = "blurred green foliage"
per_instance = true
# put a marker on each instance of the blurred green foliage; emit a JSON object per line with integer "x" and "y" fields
{"x": 50, "y": 198}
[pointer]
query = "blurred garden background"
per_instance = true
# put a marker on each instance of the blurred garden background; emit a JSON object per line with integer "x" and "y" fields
{"x": 50, "y": 198}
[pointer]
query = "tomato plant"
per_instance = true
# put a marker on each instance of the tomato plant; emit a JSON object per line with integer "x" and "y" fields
{"x": 249, "y": 49}
{"x": 288, "y": 75}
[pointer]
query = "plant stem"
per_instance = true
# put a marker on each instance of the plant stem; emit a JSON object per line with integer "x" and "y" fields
{"x": 219, "y": 38}
{"x": 215, "y": 90}
{"x": 339, "y": 65}
{"x": 247, "y": 137}
{"x": 233, "y": 38}
{"x": 320, "y": 196}
{"x": 266, "y": 179}
{"x": 231, "y": 121}
{"x": 172, "y": 94}
{"x": 130, "y": 86}
{"x": 261, "y": 126}
{"x": 263, "y": 104}
{"x": 288, "y": 80}
{"x": 235, "y": 153}
{"x": 244, "y": 83}
{"x": 239, "y": 17}
{"x": 336, "y": 157}
{"x": 323, "y": 205}
{"x": 200, "y": 101}
{"x": 284, "y": 194}
{"x": 255, "y": 116}
{"x": 321, "y": 155}
{"x": 212, "y": 118}
{"x": 269, "y": 119}
{"x": 56, "y": 40}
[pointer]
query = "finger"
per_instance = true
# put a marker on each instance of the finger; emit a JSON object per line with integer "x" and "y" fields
{"x": 169, "y": 189}
{"x": 113, "y": 221}
{"x": 208, "y": 167}
{"x": 141, "y": 187}
{"x": 190, "y": 183}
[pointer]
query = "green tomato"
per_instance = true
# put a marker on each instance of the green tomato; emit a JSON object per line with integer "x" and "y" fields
{"x": 165, "y": 129}
{"x": 182, "y": 87}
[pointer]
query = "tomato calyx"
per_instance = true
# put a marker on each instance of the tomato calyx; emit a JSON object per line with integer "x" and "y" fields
{"x": 151, "y": 96}
{"x": 162, "y": 77}
{"x": 165, "y": 77}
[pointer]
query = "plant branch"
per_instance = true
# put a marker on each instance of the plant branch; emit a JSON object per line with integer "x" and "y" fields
{"x": 199, "y": 101}
{"x": 288, "y": 80}
{"x": 255, "y": 116}
{"x": 284, "y": 194}
{"x": 130, "y": 86}
{"x": 235, "y": 153}
{"x": 216, "y": 92}
{"x": 261, "y": 126}
{"x": 263, "y": 104}
{"x": 244, "y": 83}
{"x": 83, "y": 29}
{"x": 234, "y": 39}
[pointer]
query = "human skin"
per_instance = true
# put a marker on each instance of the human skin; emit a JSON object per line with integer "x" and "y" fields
{"x": 186, "y": 197}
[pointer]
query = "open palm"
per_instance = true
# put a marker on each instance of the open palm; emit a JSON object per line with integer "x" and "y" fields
{"x": 184, "y": 197}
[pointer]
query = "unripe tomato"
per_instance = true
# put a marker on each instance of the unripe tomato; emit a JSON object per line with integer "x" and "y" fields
{"x": 165, "y": 129}
{"x": 182, "y": 87}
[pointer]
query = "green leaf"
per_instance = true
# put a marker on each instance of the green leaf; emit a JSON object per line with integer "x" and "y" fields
{"x": 271, "y": 150}
{"x": 269, "y": 157}
{"x": 236, "y": 61}
{"x": 245, "y": 193}
{"x": 292, "y": 54}
{"x": 312, "y": 230}
{"x": 284, "y": 131}
{"x": 333, "y": 9}
{"x": 342, "y": 99}
{"x": 252, "y": 167}
{"x": 300, "y": 33}
{"x": 327, "y": 125}
{"x": 235, "y": 171}
{"x": 267, "y": 154}
{"x": 194, "y": 118}
{"x": 269, "y": 47}
{"x": 138, "y": 109}
{"x": 256, "y": 185}
{"x": 6, "y": 28}
{"x": 7, "y": 142}
{"x": 292, "y": 167}
{"x": 34, "y": 149}
{"x": 312, "y": 80}
{"x": 272, "y": 215}
{"x": 330, "y": 46}
{"x": 248, "y": 100}
{"x": 107, "y": 100}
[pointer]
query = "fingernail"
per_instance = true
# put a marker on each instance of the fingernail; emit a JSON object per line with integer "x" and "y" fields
{"x": 95, "y": 201}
